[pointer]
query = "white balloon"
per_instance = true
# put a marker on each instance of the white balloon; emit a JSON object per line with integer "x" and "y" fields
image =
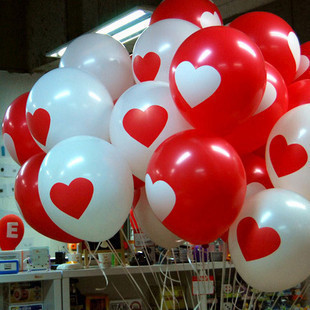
{"x": 153, "y": 51}
{"x": 288, "y": 149}
{"x": 86, "y": 187}
{"x": 104, "y": 57}
{"x": 143, "y": 117}
{"x": 67, "y": 102}
{"x": 269, "y": 241}
{"x": 152, "y": 226}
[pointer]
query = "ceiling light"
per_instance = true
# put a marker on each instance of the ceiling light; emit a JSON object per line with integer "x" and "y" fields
{"x": 123, "y": 28}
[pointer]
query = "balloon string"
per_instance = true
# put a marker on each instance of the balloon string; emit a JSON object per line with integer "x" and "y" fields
{"x": 276, "y": 300}
{"x": 123, "y": 299}
{"x": 147, "y": 257}
{"x": 229, "y": 278}
{"x": 165, "y": 273}
{"x": 251, "y": 300}
{"x": 96, "y": 260}
{"x": 149, "y": 265}
{"x": 156, "y": 276}
{"x": 223, "y": 274}
{"x": 129, "y": 275}
{"x": 214, "y": 277}
{"x": 238, "y": 292}
{"x": 302, "y": 292}
{"x": 257, "y": 298}
{"x": 179, "y": 280}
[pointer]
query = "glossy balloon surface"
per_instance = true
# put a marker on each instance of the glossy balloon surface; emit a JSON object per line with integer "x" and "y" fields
{"x": 195, "y": 185}
{"x": 272, "y": 230}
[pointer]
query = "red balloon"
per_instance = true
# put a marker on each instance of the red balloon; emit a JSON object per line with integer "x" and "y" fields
{"x": 16, "y": 135}
{"x": 303, "y": 71}
{"x": 256, "y": 173}
{"x": 137, "y": 182}
{"x": 11, "y": 232}
{"x": 276, "y": 39}
{"x": 202, "y": 13}
{"x": 298, "y": 93}
{"x": 28, "y": 200}
{"x": 211, "y": 91}
{"x": 196, "y": 185}
{"x": 254, "y": 132}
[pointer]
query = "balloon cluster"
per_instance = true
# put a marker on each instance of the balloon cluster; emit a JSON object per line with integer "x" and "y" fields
{"x": 184, "y": 124}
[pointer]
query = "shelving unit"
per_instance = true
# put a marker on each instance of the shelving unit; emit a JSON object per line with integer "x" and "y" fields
{"x": 51, "y": 285}
{"x": 56, "y": 283}
{"x": 91, "y": 280}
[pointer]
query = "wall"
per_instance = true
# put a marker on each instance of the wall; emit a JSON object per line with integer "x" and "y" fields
{"x": 11, "y": 86}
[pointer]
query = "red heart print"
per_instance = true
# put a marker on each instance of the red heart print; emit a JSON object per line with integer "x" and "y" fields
{"x": 39, "y": 124}
{"x": 286, "y": 159}
{"x": 147, "y": 67}
{"x": 145, "y": 126}
{"x": 72, "y": 199}
{"x": 255, "y": 242}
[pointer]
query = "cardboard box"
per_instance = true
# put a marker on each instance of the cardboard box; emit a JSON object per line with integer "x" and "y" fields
{"x": 173, "y": 298}
{"x": 20, "y": 255}
{"x": 24, "y": 292}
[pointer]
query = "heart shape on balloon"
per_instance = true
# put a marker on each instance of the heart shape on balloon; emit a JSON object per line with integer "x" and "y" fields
{"x": 256, "y": 242}
{"x": 303, "y": 66}
{"x": 286, "y": 158}
{"x": 72, "y": 199}
{"x": 207, "y": 19}
{"x": 10, "y": 145}
{"x": 145, "y": 126}
{"x": 270, "y": 95}
{"x": 147, "y": 67}
{"x": 39, "y": 124}
{"x": 161, "y": 197}
{"x": 196, "y": 84}
{"x": 294, "y": 46}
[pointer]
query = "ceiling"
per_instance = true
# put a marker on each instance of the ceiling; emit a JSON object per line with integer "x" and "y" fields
{"x": 30, "y": 28}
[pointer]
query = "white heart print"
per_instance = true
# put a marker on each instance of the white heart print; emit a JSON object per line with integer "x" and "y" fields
{"x": 303, "y": 66}
{"x": 294, "y": 46}
{"x": 196, "y": 85}
{"x": 10, "y": 145}
{"x": 270, "y": 95}
{"x": 161, "y": 197}
{"x": 208, "y": 19}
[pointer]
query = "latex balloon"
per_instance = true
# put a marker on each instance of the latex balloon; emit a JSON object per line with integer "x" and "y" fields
{"x": 16, "y": 135}
{"x": 86, "y": 188}
{"x": 211, "y": 92}
{"x": 303, "y": 71}
{"x": 151, "y": 225}
{"x": 298, "y": 93}
{"x": 104, "y": 57}
{"x": 254, "y": 132}
{"x": 256, "y": 174}
{"x": 29, "y": 203}
{"x": 269, "y": 241}
{"x": 67, "y": 102}
{"x": 143, "y": 117}
{"x": 288, "y": 149}
{"x": 203, "y": 13}
{"x": 11, "y": 232}
{"x": 276, "y": 39}
{"x": 153, "y": 51}
{"x": 195, "y": 185}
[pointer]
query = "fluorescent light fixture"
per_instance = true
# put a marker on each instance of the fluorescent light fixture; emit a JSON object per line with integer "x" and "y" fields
{"x": 124, "y": 28}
